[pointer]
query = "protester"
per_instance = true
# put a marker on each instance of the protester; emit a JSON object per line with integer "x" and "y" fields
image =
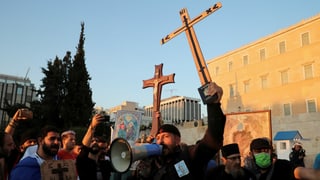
{"x": 6, "y": 146}
{"x": 297, "y": 155}
{"x": 48, "y": 146}
{"x": 261, "y": 149}
{"x": 231, "y": 168}
{"x": 9, "y": 152}
{"x": 179, "y": 160}
{"x": 68, "y": 141}
{"x": 90, "y": 165}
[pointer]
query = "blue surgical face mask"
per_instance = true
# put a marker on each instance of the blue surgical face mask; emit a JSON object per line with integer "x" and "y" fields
{"x": 263, "y": 160}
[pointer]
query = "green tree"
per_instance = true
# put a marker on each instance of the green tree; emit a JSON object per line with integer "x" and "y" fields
{"x": 53, "y": 93}
{"x": 79, "y": 96}
{"x": 66, "y": 96}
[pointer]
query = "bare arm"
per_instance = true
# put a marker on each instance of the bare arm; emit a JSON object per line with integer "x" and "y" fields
{"x": 96, "y": 119}
{"x": 20, "y": 115}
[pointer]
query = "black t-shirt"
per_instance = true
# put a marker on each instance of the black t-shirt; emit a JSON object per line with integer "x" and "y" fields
{"x": 88, "y": 168}
{"x": 282, "y": 169}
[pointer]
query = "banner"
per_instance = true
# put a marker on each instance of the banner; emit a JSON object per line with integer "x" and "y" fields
{"x": 127, "y": 125}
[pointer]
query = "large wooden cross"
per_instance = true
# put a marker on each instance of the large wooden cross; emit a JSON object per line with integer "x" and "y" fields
{"x": 157, "y": 82}
{"x": 187, "y": 27}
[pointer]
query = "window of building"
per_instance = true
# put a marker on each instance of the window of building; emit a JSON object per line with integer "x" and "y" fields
{"x": 284, "y": 77}
{"x": 282, "y": 47}
{"x": 262, "y": 54}
{"x": 283, "y": 145}
{"x": 311, "y": 106}
{"x": 9, "y": 96}
{"x": 19, "y": 90}
{"x": 245, "y": 60}
{"x": 287, "y": 109}
{"x": 308, "y": 71}
{"x": 264, "y": 82}
{"x": 217, "y": 71}
{"x": 246, "y": 85}
{"x": 230, "y": 64}
{"x": 305, "y": 39}
{"x": 231, "y": 90}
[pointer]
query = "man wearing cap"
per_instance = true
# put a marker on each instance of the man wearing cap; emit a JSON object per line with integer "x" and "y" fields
{"x": 231, "y": 168}
{"x": 297, "y": 155}
{"x": 261, "y": 150}
{"x": 181, "y": 161}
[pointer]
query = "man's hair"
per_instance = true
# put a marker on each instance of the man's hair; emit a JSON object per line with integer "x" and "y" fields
{"x": 170, "y": 129}
{"x": 65, "y": 133}
{"x": 2, "y": 135}
{"x": 49, "y": 128}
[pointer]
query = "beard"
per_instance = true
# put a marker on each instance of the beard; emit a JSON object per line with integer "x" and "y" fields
{"x": 94, "y": 149}
{"x": 237, "y": 173}
{"x": 50, "y": 150}
{"x": 169, "y": 152}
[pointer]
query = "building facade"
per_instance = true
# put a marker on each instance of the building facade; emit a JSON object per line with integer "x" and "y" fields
{"x": 281, "y": 73}
{"x": 177, "y": 110}
{"x": 14, "y": 90}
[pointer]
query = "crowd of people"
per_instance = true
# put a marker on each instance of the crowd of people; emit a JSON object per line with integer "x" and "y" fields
{"x": 176, "y": 161}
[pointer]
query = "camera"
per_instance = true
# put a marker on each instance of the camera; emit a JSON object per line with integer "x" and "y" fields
{"x": 106, "y": 118}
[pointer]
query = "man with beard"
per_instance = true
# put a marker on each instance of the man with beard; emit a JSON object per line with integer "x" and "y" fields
{"x": 181, "y": 161}
{"x": 231, "y": 168}
{"x": 48, "y": 146}
{"x": 261, "y": 150}
{"x": 90, "y": 165}
{"x": 7, "y": 145}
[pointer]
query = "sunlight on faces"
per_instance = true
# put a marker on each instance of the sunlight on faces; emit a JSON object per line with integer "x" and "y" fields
{"x": 69, "y": 141}
{"x": 169, "y": 142}
{"x": 51, "y": 143}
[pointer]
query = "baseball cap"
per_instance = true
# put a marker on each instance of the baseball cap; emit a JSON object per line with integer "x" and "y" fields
{"x": 260, "y": 143}
{"x": 170, "y": 129}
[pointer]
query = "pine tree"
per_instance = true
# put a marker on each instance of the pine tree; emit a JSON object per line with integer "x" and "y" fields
{"x": 79, "y": 96}
{"x": 52, "y": 93}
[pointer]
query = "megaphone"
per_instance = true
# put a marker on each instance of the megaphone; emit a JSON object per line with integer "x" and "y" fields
{"x": 122, "y": 155}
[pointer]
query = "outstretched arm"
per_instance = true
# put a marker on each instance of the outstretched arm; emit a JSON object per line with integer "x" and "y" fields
{"x": 20, "y": 115}
{"x": 96, "y": 119}
{"x": 216, "y": 118}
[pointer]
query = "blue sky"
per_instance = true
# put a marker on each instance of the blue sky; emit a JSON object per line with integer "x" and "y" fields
{"x": 123, "y": 39}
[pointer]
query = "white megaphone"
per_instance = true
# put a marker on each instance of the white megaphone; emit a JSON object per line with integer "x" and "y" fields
{"x": 122, "y": 155}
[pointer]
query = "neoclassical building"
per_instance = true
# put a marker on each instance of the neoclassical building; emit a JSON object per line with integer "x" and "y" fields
{"x": 281, "y": 73}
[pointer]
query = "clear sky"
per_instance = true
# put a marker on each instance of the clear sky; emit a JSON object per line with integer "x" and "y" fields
{"x": 123, "y": 39}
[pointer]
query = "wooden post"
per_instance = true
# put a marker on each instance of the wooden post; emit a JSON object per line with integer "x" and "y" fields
{"x": 157, "y": 82}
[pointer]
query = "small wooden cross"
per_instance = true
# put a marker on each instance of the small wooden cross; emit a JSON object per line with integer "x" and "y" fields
{"x": 59, "y": 170}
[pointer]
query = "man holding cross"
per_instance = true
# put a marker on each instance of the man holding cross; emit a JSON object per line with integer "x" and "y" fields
{"x": 179, "y": 160}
